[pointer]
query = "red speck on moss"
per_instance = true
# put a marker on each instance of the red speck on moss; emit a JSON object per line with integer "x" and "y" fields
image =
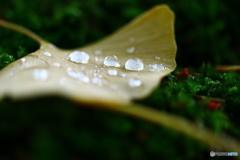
{"x": 213, "y": 105}
{"x": 184, "y": 73}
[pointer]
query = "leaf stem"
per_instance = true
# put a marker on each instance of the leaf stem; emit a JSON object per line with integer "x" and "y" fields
{"x": 22, "y": 30}
{"x": 213, "y": 140}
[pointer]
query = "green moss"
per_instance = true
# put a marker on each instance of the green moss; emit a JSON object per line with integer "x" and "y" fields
{"x": 54, "y": 128}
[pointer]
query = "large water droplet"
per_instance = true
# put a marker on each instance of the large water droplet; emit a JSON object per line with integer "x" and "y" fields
{"x": 48, "y": 54}
{"x": 112, "y": 72}
{"x": 134, "y": 82}
{"x": 111, "y": 61}
{"x": 40, "y": 74}
{"x": 130, "y": 50}
{"x": 134, "y": 64}
{"x": 79, "y": 57}
{"x": 79, "y": 76}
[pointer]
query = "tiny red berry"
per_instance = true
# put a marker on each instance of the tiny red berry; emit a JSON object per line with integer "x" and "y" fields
{"x": 184, "y": 73}
{"x": 213, "y": 105}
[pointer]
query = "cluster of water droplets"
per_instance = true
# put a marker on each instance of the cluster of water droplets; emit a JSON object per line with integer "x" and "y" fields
{"x": 110, "y": 62}
{"x": 105, "y": 65}
{"x": 40, "y": 74}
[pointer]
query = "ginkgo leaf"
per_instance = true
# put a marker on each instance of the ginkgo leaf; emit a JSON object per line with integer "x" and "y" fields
{"x": 126, "y": 65}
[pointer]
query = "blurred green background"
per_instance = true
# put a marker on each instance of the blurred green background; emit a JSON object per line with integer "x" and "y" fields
{"x": 207, "y": 34}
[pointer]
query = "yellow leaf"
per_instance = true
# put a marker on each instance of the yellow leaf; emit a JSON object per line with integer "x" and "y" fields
{"x": 126, "y": 65}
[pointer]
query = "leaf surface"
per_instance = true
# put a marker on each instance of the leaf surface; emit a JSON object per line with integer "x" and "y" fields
{"x": 85, "y": 74}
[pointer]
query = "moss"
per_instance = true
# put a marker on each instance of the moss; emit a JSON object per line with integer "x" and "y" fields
{"x": 54, "y": 128}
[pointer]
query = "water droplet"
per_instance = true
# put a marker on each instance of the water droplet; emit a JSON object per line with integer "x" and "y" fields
{"x": 56, "y": 64}
{"x": 97, "y": 52}
{"x": 98, "y": 58}
{"x": 48, "y": 54}
{"x": 132, "y": 39}
{"x": 153, "y": 67}
{"x": 40, "y": 74}
{"x": 97, "y": 80}
{"x": 79, "y": 76}
{"x": 52, "y": 46}
{"x": 79, "y": 57}
{"x": 23, "y": 59}
{"x": 123, "y": 75}
{"x": 69, "y": 69}
{"x": 158, "y": 58}
{"x": 134, "y": 82}
{"x": 111, "y": 61}
{"x": 112, "y": 72}
{"x": 159, "y": 66}
{"x": 130, "y": 50}
{"x": 134, "y": 64}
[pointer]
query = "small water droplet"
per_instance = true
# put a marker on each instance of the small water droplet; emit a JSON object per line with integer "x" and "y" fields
{"x": 158, "y": 58}
{"x": 40, "y": 74}
{"x": 56, "y": 64}
{"x": 134, "y": 64}
{"x": 52, "y": 46}
{"x": 153, "y": 67}
{"x": 130, "y": 50}
{"x": 98, "y": 58}
{"x": 79, "y": 76}
{"x": 97, "y": 80}
{"x": 23, "y": 59}
{"x": 123, "y": 75}
{"x": 98, "y": 52}
{"x": 134, "y": 82}
{"x": 112, "y": 72}
{"x": 111, "y": 61}
{"x": 69, "y": 69}
{"x": 132, "y": 39}
{"x": 79, "y": 57}
{"x": 48, "y": 54}
{"x": 159, "y": 66}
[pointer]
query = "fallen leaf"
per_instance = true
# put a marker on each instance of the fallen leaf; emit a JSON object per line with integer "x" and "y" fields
{"x": 221, "y": 68}
{"x": 126, "y": 65}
